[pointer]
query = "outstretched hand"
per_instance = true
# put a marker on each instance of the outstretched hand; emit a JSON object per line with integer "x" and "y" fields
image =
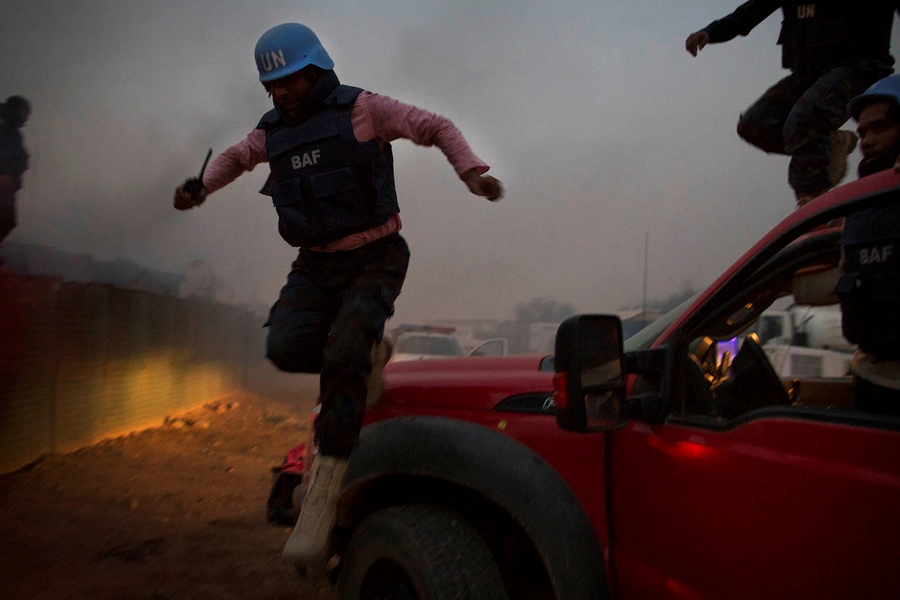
{"x": 696, "y": 41}
{"x": 189, "y": 194}
{"x": 483, "y": 185}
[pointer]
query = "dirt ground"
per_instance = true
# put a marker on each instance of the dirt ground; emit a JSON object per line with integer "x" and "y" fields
{"x": 173, "y": 513}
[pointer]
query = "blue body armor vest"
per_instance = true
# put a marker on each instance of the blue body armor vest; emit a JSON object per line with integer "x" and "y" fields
{"x": 326, "y": 185}
{"x": 870, "y": 288}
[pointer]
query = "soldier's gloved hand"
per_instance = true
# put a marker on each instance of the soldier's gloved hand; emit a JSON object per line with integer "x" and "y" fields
{"x": 483, "y": 185}
{"x": 189, "y": 194}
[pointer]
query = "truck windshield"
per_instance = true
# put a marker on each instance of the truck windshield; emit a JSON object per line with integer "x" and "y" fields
{"x": 644, "y": 338}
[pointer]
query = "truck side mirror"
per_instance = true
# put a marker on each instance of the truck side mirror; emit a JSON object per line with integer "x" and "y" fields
{"x": 589, "y": 385}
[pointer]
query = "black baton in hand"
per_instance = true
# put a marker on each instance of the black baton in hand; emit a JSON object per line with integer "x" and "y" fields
{"x": 193, "y": 185}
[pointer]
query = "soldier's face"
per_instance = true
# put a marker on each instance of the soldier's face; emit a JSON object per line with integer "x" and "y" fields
{"x": 288, "y": 93}
{"x": 878, "y": 131}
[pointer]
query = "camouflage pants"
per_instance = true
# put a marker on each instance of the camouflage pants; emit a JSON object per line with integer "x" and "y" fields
{"x": 328, "y": 317}
{"x": 7, "y": 214}
{"x": 797, "y": 115}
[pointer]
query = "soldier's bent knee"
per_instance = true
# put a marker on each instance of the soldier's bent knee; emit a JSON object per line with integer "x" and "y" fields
{"x": 292, "y": 357}
{"x": 748, "y": 130}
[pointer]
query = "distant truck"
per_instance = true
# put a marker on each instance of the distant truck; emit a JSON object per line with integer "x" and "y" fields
{"x": 805, "y": 341}
{"x": 426, "y": 344}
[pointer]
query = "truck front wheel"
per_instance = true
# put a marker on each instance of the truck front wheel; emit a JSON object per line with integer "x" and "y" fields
{"x": 418, "y": 552}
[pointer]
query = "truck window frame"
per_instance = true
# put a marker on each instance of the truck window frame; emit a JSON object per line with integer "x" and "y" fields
{"x": 782, "y": 256}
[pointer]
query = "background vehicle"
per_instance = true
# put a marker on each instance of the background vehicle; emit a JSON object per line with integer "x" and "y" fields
{"x": 676, "y": 465}
{"x": 805, "y": 341}
{"x": 417, "y": 345}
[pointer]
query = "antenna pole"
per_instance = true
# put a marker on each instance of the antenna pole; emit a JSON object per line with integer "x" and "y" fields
{"x": 644, "y": 299}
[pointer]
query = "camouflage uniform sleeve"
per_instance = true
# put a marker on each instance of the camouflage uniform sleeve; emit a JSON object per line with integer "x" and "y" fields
{"x": 745, "y": 17}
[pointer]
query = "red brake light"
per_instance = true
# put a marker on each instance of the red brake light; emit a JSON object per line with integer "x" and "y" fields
{"x": 560, "y": 390}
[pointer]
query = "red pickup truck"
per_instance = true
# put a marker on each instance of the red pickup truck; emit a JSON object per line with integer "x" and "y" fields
{"x": 675, "y": 465}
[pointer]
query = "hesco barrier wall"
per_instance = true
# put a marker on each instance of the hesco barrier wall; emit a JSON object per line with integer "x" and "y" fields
{"x": 82, "y": 362}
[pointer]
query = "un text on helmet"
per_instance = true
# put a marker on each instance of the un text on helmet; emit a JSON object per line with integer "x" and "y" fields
{"x": 271, "y": 60}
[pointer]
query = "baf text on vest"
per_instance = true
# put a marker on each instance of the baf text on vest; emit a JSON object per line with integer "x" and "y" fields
{"x": 870, "y": 288}
{"x": 326, "y": 185}
{"x": 816, "y": 36}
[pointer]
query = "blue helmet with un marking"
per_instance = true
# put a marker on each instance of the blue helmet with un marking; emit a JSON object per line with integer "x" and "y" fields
{"x": 883, "y": 89}
{"x": 286, "y": 49}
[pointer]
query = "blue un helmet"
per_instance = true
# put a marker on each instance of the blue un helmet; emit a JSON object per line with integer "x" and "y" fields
{"x": 286, "y": 49}
{"x": 883, "y": 89}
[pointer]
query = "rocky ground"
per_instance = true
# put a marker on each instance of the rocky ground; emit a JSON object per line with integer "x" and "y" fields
{"x": 177, "y": 512}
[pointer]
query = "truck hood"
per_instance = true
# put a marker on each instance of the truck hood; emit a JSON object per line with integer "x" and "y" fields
{"x": 405, "y": 356}
{"x": 473, "y": 383}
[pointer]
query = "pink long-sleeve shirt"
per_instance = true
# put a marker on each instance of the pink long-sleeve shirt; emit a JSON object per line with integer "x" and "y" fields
{"x": 374, "y": 117}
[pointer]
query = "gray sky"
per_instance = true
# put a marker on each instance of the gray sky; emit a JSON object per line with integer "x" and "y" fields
{"x": 597, "y": 121}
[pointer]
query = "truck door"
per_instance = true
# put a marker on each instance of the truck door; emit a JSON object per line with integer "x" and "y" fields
{"x": 771, "y": 505}
{"x": 754, "y": 487}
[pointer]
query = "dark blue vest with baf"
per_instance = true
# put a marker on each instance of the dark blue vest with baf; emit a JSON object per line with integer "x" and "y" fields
{"x": 870, "y": 289}
{"x": 324, "y": 184}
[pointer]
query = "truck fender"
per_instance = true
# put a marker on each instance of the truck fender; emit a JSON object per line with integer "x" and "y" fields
{"x": 505, "y": 471}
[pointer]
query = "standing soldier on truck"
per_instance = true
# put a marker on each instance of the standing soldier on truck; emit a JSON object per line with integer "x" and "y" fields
{"x": 14, "y": 114}
{"x": 870, "y": 287}
{"x": 867, "y": 282}
{"x": 834, "y": 50}
{"x": 332, "y": 184}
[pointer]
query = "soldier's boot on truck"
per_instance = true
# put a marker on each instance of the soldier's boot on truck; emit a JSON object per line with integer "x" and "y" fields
{"x": 381, "y": 354}
{"x": 843, "y": 143}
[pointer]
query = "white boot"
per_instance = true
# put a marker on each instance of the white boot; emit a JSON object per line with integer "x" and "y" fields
{"x": 308, "y": 544}
{"x": 381, "y": 354}
{"x": 842, "y": 144}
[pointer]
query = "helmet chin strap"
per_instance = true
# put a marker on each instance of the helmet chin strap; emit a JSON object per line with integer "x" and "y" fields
{"x": 882, "y": 161}
{"x": 326, "y": 83}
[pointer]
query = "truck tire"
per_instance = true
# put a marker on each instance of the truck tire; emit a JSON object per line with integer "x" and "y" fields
{"x": 418, "y": 552}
